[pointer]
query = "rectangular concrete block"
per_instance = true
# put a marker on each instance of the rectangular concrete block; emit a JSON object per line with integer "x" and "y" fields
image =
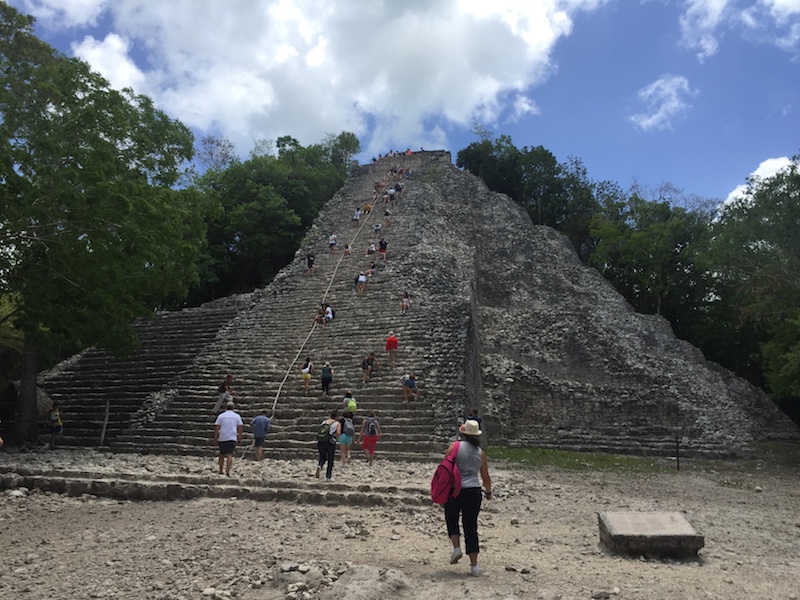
{"x": 656, "y": 533}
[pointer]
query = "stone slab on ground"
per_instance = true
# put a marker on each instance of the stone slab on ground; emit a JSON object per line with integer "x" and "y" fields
{"x": 657, "y": 533}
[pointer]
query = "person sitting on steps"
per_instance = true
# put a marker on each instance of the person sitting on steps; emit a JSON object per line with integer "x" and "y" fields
{"x": 368, "y": 364}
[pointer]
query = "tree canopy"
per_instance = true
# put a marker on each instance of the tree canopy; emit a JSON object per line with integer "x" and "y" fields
{"x": 266, "y": 203}
{"x": 92, "y": 232}
{"x": 754, "y": 251}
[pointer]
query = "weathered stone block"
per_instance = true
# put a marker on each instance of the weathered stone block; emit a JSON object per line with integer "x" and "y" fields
{"x": 654, "y": 533}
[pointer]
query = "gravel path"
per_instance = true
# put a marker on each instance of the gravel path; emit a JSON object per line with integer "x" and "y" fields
{"x": 539, "y": 536}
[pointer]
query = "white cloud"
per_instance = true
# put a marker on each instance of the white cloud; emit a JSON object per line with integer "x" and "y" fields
{"x": 263, "y": 69}
{"x": 64, "y": 13}
{"x": 110, "y": 58}
{"x": 775, "y": 22}
{"x": 699, "y": 25}
{"x": 766, "y": 169}
{"x": 664, "y": 100}
{"x": 782, "y": 9}
{"x": 523, "y": 106}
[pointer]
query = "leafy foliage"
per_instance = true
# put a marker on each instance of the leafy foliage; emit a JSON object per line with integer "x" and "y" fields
{"x": 647, "y": 249}
{"x": 266, "y": 203}
{"x": 554, "y": 194}
{"x": 92, "y": 232}
{"x": 754, "y": 251}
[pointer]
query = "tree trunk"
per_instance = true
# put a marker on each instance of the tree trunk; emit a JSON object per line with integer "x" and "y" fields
{"x": 26, "y": 426}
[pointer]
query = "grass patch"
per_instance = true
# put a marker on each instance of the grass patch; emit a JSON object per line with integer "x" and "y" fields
{"x": 780, "y": 455}
{"x": 578, "y": 461}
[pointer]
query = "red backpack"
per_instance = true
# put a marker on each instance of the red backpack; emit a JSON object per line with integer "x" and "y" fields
{"x": 446, "y": 482}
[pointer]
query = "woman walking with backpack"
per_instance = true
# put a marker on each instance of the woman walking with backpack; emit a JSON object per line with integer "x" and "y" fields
{"x": 328, "y": 434}
{"x": 369, "y": 434}
{"x": 471, "y": 461}
{"x": 346, "y": 439}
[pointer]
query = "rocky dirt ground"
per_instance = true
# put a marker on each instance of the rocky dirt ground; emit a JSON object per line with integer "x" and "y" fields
{"x": 539, "y": 535}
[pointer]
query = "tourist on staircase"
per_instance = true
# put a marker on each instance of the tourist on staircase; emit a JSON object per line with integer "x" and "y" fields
{"x": 329, "y": 431}
{"x": 410, "y": 389}
{"x": 227, "y": 434}
{"x": 56, "y": 423}
{"x": 310, "y": 261}
{"x": 392, "y": 344}
{"x": 305, "y": 372}
{"x": 405, "y": 303}
{"x": 369, "y": 435}
{"x": 260, "y": 426}
{"x": 225, "y": 393}
{"x": 349, "y": 403}
{"x": 369, "y": 364}
{"x": 361, "y": 283}
{"x": 346, "y": 439}
{"x": 326, "y": 378}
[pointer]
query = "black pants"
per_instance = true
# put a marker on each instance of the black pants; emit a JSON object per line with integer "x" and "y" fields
{"x": 468, "y": 505}
{"x": 327, "y": 453}
{"x": 325, "y": 385}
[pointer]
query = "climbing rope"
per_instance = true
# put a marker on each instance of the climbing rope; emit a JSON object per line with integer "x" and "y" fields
{"x": 324, "y": 296}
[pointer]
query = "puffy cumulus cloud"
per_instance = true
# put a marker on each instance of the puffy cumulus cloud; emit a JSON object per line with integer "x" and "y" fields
{"x": 69, "y": 13}
{"x": 393, "y": 73}
{"x": 782, "y": 9}
{"x": 699, "y": 25}
{"x": 110, "y": 57}
{"x": 665, "y": 100}
{"x": 766, "y": 169}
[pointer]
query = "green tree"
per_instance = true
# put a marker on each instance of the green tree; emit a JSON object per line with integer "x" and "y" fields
{"x": 647, "y": 249}
{"x": 267, "y": 203}
{"x": 754, "y": 253}
{"x": 558, "y": 195}
{"x": 341, "y": 150}
{"x": 92, "y": 231}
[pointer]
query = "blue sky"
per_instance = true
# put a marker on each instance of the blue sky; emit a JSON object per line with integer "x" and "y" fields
{"x": 697, "y": 93}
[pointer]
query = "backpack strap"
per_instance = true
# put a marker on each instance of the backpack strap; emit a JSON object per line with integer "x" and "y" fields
{"x": 454, "y": 453}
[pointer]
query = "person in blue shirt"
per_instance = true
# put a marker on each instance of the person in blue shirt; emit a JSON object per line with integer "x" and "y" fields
{"x": 260, "y": 426}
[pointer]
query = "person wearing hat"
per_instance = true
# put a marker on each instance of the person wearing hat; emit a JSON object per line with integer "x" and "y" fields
{"x": 227, "y": 433}
{"x": 474, "y": 469}
{"x": 391, "y": 348}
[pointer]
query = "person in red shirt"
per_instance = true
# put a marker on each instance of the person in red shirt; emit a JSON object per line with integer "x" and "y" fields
{"x": 391, "y": 348}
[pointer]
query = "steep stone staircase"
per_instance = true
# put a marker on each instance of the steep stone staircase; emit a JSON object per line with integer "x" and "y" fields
{"x": 504, "y": 318}
{"x": 95, "y": 388}
{"x": 162, "y": 400}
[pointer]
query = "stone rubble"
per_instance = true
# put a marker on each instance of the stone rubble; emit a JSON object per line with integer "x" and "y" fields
{"x": 538, "y": 534}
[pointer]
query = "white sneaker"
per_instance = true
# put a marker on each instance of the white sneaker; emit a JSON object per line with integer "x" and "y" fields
{"x": 455, "y": 556}
{"x": 475, "y": 571}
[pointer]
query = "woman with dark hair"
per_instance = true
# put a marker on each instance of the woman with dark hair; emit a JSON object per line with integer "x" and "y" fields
{"x": 305, "y": 371}
{"x": 327, "y": 437}
{"x": 471, "y": 461}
